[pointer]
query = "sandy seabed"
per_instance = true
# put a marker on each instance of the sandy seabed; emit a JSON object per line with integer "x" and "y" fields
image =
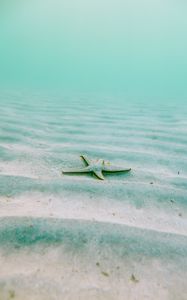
{"x": 75, "y": 237}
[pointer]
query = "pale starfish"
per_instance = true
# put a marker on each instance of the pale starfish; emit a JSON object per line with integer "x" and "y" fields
{"x": 96, "y": 167}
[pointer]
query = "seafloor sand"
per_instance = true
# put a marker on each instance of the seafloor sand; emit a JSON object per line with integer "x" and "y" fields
{"x": 75, "y": 237}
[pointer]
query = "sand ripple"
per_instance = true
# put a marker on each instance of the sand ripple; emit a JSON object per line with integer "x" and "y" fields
{"x": 137, "y": 219}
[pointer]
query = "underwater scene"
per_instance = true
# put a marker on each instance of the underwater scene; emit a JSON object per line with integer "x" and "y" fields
{"x": 63, "y": 235}
{"x": 93, "y": 150}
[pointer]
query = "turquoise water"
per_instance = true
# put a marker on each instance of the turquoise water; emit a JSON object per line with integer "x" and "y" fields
{"x": 133, "y": 47}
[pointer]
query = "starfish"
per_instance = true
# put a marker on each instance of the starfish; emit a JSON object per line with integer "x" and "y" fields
{"x": 96, "y": 167}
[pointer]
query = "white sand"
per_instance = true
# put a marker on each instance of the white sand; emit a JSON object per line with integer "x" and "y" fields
{"x": 130, "y": 224}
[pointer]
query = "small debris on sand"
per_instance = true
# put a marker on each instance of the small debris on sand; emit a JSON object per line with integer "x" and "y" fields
{"x": 97, "y": 264}
{"x": 11, "y": 294}
{"x": 180, "y": 214}
{"x": 105, "y": 274}
{"x": 134, "y": 279}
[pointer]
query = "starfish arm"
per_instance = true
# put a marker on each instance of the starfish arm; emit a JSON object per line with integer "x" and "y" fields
{"x": 86, "y": 159}
{"x": 115, "y": 169}
{"x": 77, "y": 170}
{"x": 99, "y": 174}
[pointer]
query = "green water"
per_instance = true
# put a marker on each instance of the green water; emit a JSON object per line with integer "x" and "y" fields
{"x": 133, "y": 47}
